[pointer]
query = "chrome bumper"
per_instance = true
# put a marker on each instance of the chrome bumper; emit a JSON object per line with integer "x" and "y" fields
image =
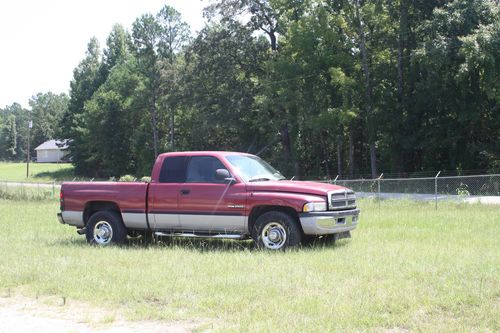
{"x": 330, "y": 222}
{"x": 60, "y": 218}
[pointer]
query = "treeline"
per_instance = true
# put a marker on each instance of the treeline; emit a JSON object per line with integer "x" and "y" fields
{"x": 317, "y": 87}
{"x": 46, "y": 112}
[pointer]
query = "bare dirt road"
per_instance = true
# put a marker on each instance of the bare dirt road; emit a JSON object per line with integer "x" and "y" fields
{"x": 21, "y": 314}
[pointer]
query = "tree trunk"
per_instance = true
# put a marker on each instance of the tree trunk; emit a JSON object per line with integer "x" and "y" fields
{"x": 154, "y": 125}
{"x": 339, "y": 155}
{"x": 368, "y": 94}
{"x": 403, "y": 22}
{"x": 172, "y": 134}
{"x": 324, "y": 156}
{"x": 373, "y": 159}
{"x": 287, "y": 148}
{"x": 401, "y": 106}
{"x": 351, "y": 156}
{"x": 272, "y": 37}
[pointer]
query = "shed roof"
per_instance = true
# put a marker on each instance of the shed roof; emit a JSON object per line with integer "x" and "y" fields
{"x": 53, "y": 144}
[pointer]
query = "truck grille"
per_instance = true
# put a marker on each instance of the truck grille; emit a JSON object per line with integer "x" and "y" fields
{"x": 341, "y": 200}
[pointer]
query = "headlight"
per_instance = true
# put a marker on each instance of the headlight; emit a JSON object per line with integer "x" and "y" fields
{"x": 314, "y": 207}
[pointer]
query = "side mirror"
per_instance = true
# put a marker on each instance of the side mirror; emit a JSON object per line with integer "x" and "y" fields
{"x": 223, "y": 174}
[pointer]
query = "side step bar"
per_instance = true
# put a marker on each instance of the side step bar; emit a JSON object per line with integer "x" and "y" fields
{"x": 193, "y": 235}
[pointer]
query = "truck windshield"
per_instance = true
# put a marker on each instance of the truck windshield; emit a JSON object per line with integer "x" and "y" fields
{"x": 253, "y": 169}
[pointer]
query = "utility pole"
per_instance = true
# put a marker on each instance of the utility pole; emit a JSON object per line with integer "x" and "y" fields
{"x": 30, "y": 125}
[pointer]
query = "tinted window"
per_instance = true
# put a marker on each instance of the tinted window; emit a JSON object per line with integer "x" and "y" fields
{"x": 201, "y": 169}
{"x": 173, "y": 170}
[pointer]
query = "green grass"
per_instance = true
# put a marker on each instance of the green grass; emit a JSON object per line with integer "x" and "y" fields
{"x": 407, "y": 267}
{"x": 29, "y": 192}
{"x": 39, "y": 172}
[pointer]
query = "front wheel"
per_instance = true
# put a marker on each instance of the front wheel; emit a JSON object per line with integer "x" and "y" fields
{"x": 105, "y": 227}
{"x": 276, "y": 231}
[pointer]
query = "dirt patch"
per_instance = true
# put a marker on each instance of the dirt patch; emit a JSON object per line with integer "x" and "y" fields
{"x": 56, "y": 315}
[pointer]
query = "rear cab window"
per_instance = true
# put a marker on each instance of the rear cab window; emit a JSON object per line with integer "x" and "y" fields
{"x": 173, "y": 169}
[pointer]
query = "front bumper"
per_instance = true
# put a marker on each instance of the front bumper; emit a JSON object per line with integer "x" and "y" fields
{"x": 329, "y": 222}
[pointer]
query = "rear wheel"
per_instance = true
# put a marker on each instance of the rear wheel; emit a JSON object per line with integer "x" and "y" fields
{"x": 276, "y": 231}
{"x": 105, "y": 227}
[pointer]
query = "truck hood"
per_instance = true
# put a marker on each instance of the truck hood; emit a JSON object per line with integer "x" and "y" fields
{"x": 314, "y": 188}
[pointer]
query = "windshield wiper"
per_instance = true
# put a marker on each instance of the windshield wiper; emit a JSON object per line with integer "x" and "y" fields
{"x": 259, "y": 179}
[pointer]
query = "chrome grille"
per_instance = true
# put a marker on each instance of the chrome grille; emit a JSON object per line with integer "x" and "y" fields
{"x": 341, "y": 200}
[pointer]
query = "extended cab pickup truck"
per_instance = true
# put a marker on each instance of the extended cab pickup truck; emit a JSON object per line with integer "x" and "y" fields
{"x": 210, "y": 194}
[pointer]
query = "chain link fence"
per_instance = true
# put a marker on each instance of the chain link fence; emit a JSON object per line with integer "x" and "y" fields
{"x": 482, "y": 188}
{"x": 12, "y": 190}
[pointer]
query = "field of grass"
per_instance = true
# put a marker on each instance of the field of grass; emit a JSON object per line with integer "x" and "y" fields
{"x": 39, "y": 172}
{"x": 407, "y": 267}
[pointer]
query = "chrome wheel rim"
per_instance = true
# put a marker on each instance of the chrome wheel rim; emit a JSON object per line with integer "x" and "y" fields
{"x": 103, "y": 232}
{"x": 273, "y": 236}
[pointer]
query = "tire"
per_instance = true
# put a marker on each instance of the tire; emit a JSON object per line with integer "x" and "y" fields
{"x": 308, "y": 240}
{"x": 104, "y": 228}
{"x": 276, "y": 231}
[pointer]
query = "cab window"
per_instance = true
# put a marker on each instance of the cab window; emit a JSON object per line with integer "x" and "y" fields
{"x": 173, "y": 170}
{"x": 201, "y": 169}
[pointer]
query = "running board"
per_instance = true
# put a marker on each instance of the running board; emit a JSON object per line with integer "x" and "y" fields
{"x": 192, "y": 235}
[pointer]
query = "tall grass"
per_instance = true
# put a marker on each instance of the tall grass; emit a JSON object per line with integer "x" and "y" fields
{"x": 407, "y": 267}
{"x": 28, "y": 193}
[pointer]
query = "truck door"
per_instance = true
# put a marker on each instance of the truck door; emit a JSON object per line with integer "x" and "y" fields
{"x": 208, "y": 204}
{"x": 163, "y": 212}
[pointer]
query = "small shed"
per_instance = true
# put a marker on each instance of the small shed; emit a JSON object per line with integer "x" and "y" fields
{"x": 52, "y": 151}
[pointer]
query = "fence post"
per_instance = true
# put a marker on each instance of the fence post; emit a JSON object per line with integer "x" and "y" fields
{"x": 378, "y": 187}
{"x": 335, "y": 180}
{"x": 436, "y": 190}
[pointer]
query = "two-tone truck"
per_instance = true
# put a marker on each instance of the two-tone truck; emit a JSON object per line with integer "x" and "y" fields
{"x": 210, "y": 194}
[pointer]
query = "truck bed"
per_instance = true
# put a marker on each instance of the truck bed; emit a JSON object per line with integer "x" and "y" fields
{"x": 130, "y": 198}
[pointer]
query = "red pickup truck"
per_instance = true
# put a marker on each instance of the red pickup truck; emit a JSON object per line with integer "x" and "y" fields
{"x": 210, "y": 194}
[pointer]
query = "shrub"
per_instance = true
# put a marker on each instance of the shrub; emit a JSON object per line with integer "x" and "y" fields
{"x": 127, "y": 178}
{"x": 146, "y": 179}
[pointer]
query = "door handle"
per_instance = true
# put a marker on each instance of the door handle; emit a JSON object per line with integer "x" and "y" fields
{"x": 185, "y": 192}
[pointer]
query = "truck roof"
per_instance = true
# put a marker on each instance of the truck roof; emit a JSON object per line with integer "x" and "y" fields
{"x": 197, "y": 153}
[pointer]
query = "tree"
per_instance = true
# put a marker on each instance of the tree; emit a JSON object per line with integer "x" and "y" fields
{"x": 118, "y": 46}
{"x": 86, "y": 80}
{"x": 112, "y": 114}
{"x": 157, "y": 40}
{"x": 220, "y": 81}
{"x": 264, "y": 16}
{"x": 318, "y": 87}
{"x": 47, "y": 110}
{"x": 10, "y": 138}
{"x": 174, "y": 35}
{"x": 456, "y": 116}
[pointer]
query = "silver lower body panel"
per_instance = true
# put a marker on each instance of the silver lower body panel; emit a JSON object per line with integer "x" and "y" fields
{"x": 330, "y": 222}
{"x": 72, "y": 218}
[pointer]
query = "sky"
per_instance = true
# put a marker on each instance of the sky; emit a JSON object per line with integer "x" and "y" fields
{"x": 42, "y": 41}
